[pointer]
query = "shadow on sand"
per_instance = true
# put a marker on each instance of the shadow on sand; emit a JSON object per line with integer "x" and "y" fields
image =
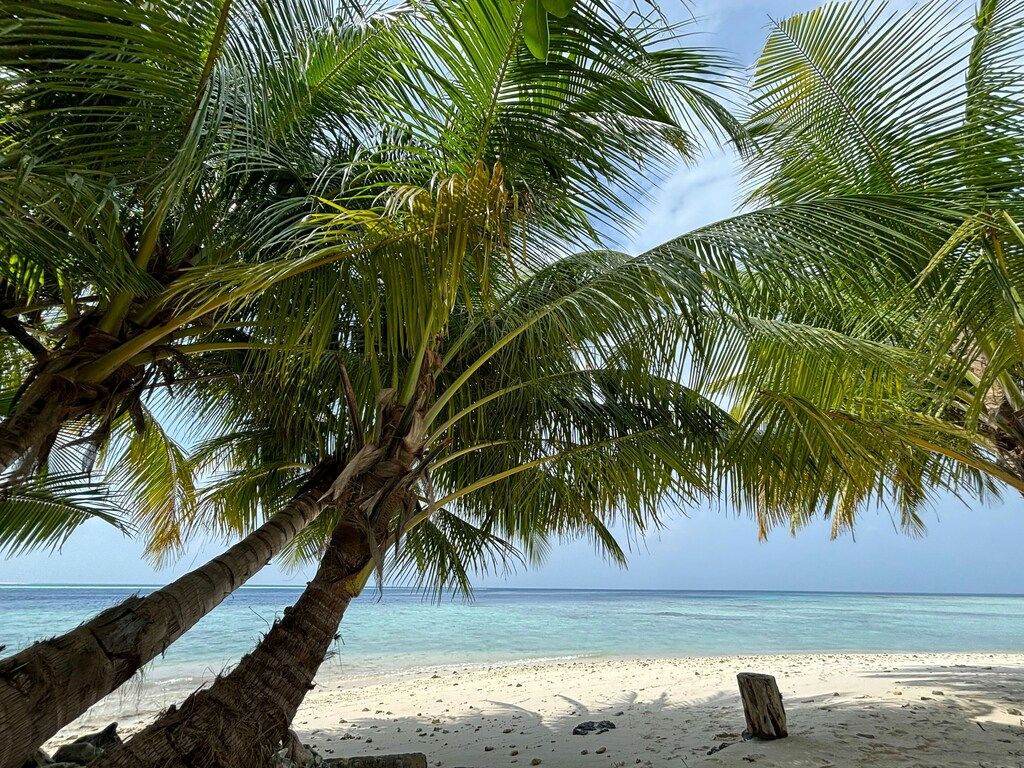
{"x": 941, "y": 716}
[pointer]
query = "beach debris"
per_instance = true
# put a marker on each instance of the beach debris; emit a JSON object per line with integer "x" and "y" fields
{"x": 81, "y": 751}
{"x": 535, "y": 761}
{"x": 762, "y": 706}
{"x": 104, "y": 739}
{"x": 408, "y": 760}
{"x": 1012, "y": 711}
{"x": 298, "y": 755}
{"x": 600, "y": 750}
{"x": 718, "y": 747}
{"x": 295, "y": 754}
{"x": 308, "y": 759}
{"x": 593, "y": 726}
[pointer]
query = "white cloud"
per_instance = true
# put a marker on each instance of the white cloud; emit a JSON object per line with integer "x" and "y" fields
{"x": 689, "y": 198}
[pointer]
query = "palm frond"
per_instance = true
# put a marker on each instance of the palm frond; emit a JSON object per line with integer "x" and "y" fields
{"x": 45, "y": 511}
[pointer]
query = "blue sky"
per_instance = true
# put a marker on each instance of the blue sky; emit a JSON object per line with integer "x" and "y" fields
{"x": 967, "y": 549}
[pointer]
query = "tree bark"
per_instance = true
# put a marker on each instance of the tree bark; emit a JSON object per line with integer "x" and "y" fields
{"x": 31, "y": 427}
{"x": 55, "y": 393}
{"x": 239, "y": 720}
{"x": 49, "y": 684}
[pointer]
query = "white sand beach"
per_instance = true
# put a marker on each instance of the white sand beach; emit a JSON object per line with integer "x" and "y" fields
{"x": 921, "y": 710}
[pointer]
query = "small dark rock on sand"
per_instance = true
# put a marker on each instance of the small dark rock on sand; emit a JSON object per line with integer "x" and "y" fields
{"x": 592, "y": 726}
{"x": 81, "y": 751}
{"x": 104, "y": 739}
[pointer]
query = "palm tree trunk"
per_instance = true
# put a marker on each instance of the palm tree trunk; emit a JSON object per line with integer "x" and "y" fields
{"x": 56, "y": 392}
{"x": 29, "y": 430}
{"x": 239, "y": 720}
{"x": 49, "y": 684}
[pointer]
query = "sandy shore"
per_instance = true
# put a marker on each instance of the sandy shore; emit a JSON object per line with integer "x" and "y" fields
{"x": 926, "y": 710}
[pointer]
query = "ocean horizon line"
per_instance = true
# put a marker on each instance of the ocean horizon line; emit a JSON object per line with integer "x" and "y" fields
{"x": 623, "y": 590}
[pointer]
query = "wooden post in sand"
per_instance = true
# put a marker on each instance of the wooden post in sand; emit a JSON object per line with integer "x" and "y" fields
{"x": 762, "y": 706}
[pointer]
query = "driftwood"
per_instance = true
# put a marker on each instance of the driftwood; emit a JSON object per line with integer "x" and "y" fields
{"x": 762, "y": 706}
{"x": 411, "y": 760}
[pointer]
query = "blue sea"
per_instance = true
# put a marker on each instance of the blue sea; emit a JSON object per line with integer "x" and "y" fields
{"x": 399, "y": 630}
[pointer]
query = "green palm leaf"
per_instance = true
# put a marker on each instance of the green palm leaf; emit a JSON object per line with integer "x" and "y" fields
{"x": 44, "y": 512}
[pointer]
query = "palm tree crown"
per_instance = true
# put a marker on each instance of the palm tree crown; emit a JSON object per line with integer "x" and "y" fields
{"x": 874, "y": 293}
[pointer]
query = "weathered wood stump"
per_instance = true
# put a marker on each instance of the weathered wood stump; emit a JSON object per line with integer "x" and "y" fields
{"x": 762, "y": 706}
{"x": 410, "y": 760}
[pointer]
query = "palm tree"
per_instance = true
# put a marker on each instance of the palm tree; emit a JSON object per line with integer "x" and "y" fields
{"x": 874, "y": 295}
{"x": 500, "y": 104}
{"x": 537, "y": 419}
{"x": 449, "y": 441}
{"x": 493, "y": 391}
{"x": 145, "y": 145}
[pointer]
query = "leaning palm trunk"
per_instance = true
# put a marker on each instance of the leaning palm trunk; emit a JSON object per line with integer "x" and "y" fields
{"x": 49, "y": 684}
{"x": 241, "y": 718}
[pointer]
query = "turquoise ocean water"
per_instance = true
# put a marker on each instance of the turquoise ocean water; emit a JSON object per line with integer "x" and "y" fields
{"x": 401, "y": 631}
